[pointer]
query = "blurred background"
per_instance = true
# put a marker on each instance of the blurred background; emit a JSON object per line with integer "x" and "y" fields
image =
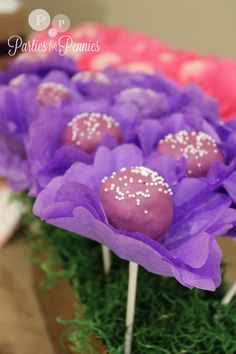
{"x": 207, "y": 26}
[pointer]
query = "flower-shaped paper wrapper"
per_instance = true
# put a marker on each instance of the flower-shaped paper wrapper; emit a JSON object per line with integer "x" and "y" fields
{"x": 28, "y": 63}
{"x": 14, "y": 122}
{"x": 189, "y": 251}
{"x": 19, "y": 109}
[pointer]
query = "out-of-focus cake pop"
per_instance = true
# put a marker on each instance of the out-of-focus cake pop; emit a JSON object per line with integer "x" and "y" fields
{"x": 88, "y": 130}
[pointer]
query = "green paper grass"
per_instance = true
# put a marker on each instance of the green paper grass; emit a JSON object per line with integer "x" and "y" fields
{"x": 169, "y": 319}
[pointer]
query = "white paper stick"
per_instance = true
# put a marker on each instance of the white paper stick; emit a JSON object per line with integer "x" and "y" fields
{"x": 106, "y": 255}
{"x": 229, "y": 295}
{"x": 130, "y": 310}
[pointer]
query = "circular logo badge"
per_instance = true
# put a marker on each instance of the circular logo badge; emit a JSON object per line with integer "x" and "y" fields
{"x": 61, "y": 23}
{"x": 39, "y": 19}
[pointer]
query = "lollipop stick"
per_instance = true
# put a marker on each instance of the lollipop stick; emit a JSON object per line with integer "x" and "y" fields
{"x": 106, "y": 255}
{"x": 130, "y": 310}
{"x": 229, "y": 295}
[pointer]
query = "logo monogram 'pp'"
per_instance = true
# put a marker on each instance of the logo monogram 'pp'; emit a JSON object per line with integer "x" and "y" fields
{"x": 39, "y": 20}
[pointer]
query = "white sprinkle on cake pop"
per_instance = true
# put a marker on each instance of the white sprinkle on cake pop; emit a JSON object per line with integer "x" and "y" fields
{"x": 88, "y": 130}
{"x": 137, "y": 199}
{"x": 199, "y": 149}
{"x": 90, "y": 76}
{"x": 52, "y": 93}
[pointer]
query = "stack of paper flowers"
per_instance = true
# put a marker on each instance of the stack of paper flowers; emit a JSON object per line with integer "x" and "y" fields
{"x": 138, "y": 52}
{"x": 129, "y": 160}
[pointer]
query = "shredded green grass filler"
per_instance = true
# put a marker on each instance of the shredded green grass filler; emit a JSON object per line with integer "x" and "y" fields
{"x": 170, "y": 319}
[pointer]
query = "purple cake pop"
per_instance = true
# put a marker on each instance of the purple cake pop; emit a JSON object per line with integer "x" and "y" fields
{"x": 139, "y": 96}
{"x": 88, "y": 76}
{"x": 138, "y": 199}
{"x": 88, "y": 130}
{"x": 147, "y": 101}
{"x": 52, "y": 93}
{"x": 199, "y": 149}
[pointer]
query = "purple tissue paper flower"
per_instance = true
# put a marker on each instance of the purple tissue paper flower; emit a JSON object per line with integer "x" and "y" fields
{"x": 54, "y": 90}
{"x": 19, "y": 107}
{"x": 14, "y": 122}
{"x": 28, "y": 63}
{"x": 189, "y": 251}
